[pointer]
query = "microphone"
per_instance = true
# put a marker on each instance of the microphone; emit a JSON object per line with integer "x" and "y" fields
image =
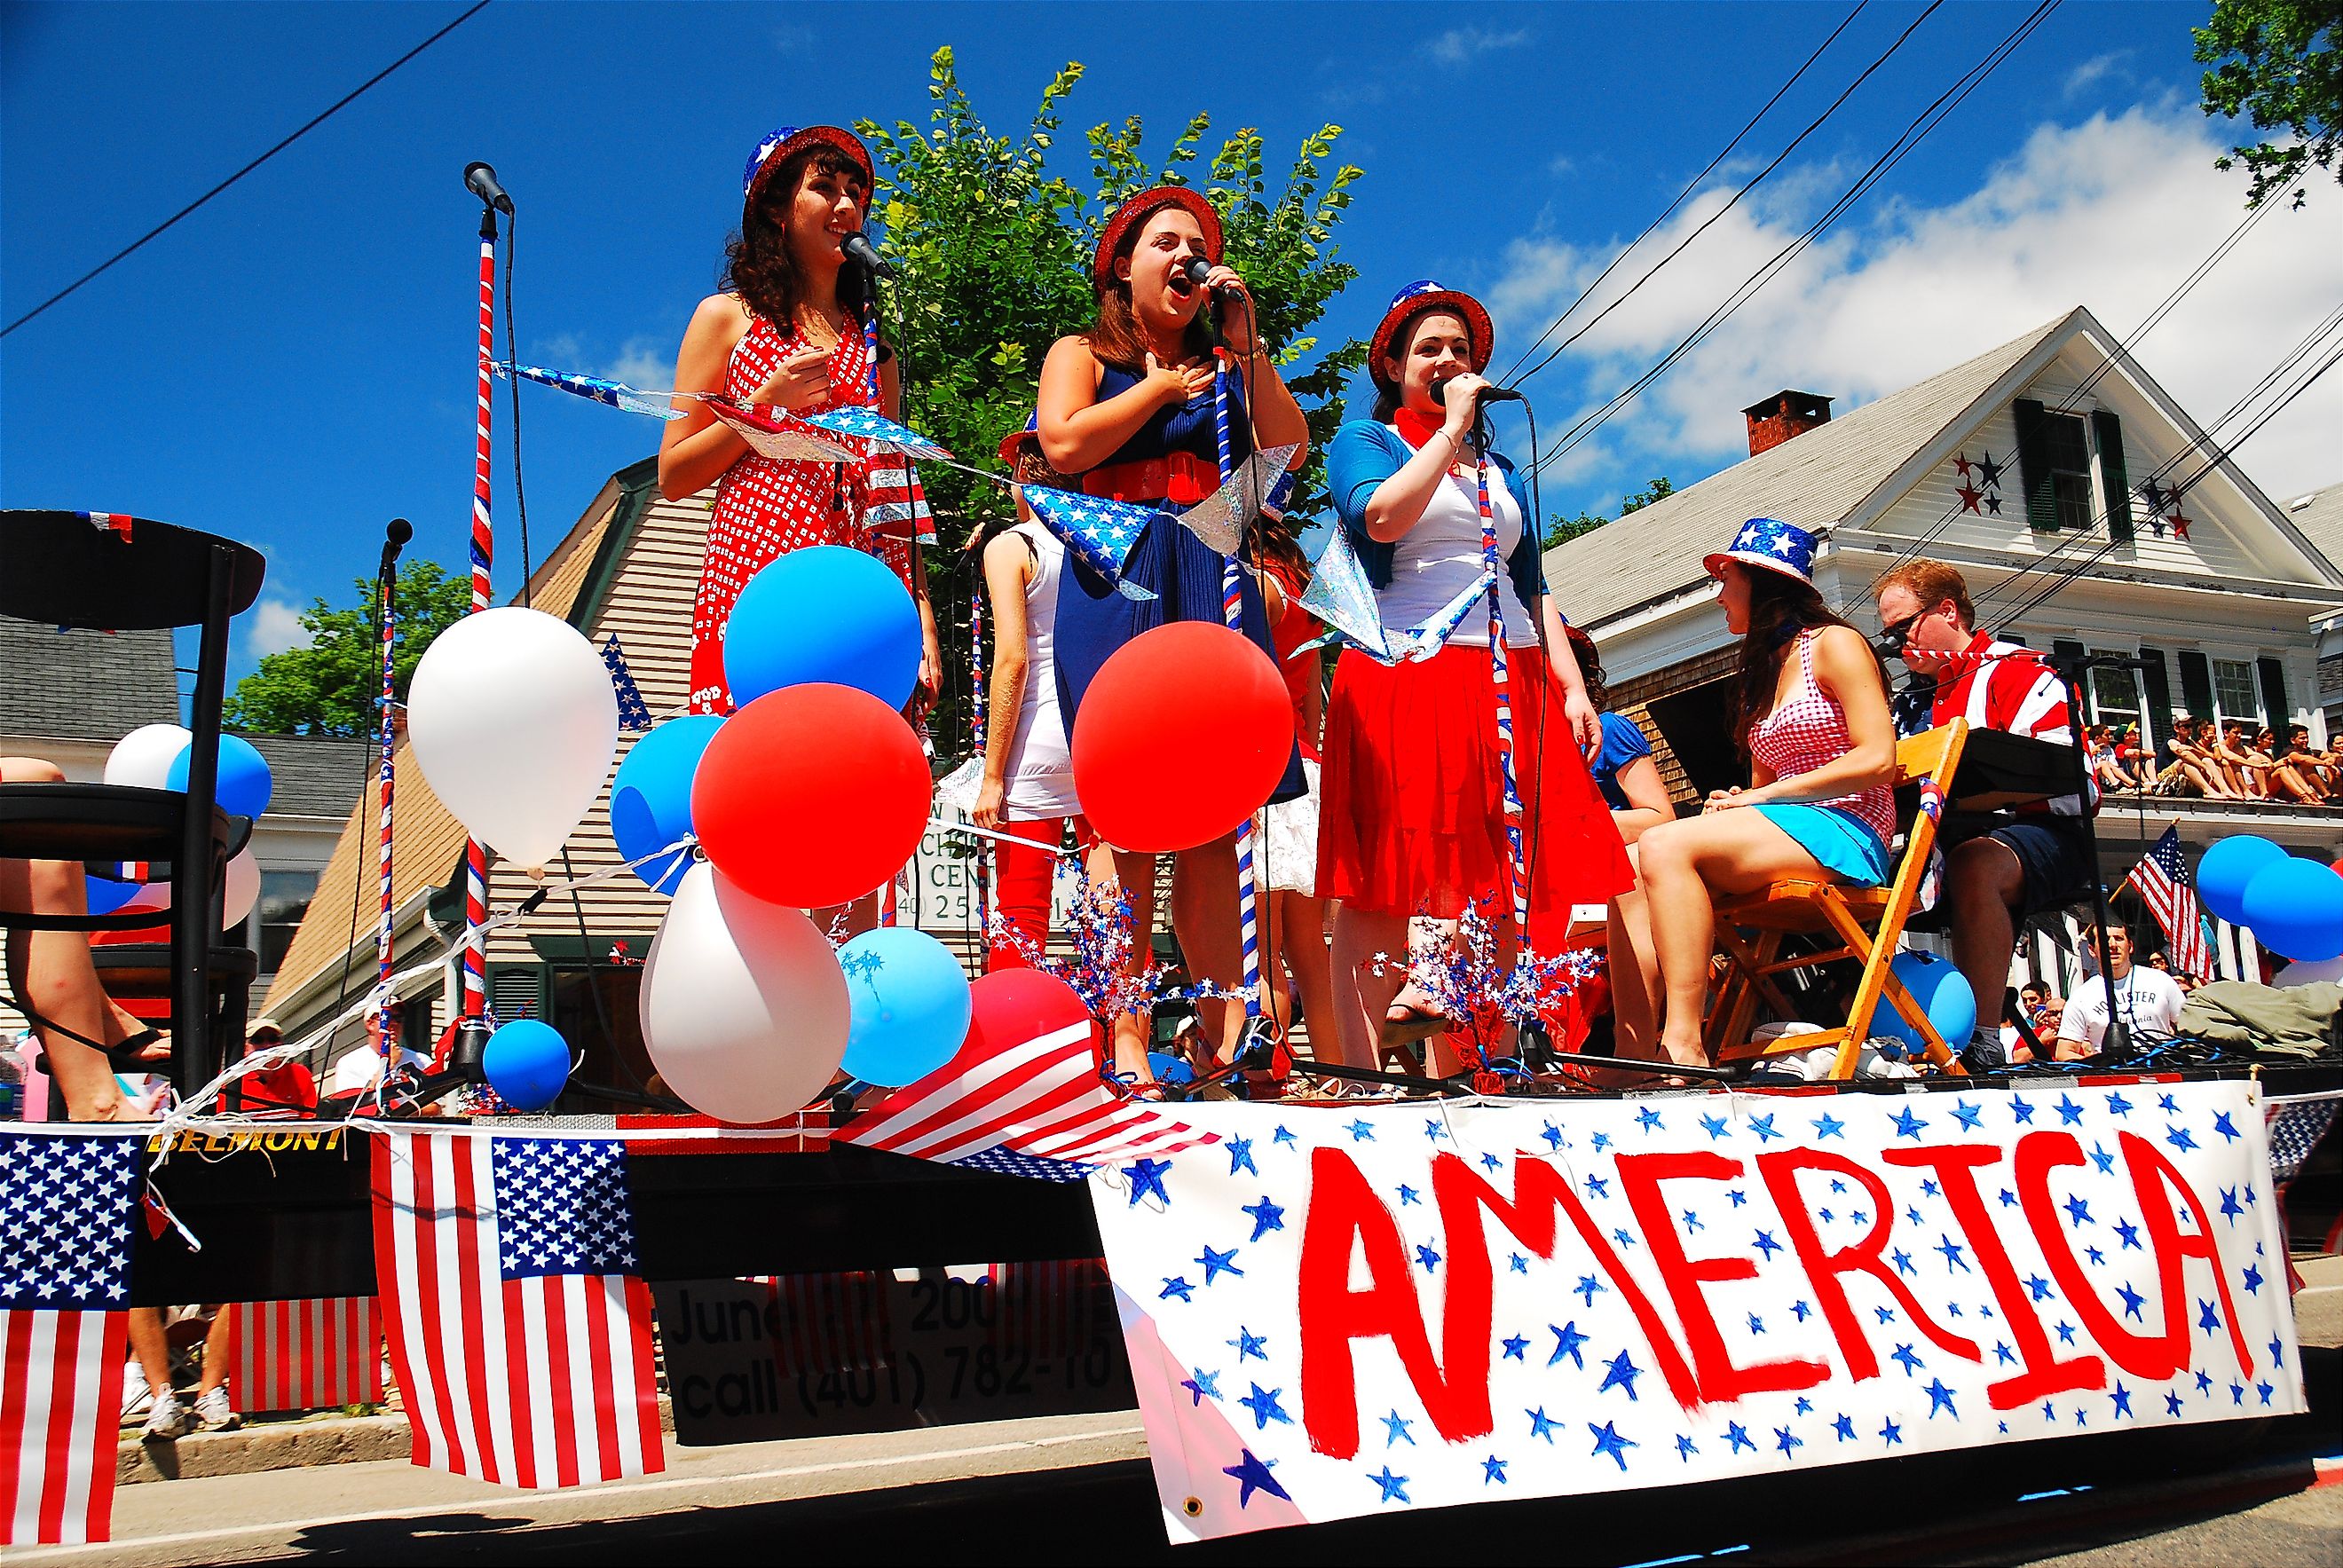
{"x": 394, "y": 540}
{"x": 1196, "y": 269}
{"x": 481, "y": 181}
{"x": 858, "y": 247}
{"x": 1486, "y": 395}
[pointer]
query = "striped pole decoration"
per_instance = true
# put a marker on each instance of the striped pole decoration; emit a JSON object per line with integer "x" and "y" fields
{"x": 476, "y": 855}
{"x": 1498, "y": 679}
{"x": 1233, "y": 614}
{"x": 383, "y": 858}
{"x": 981, "y": 870}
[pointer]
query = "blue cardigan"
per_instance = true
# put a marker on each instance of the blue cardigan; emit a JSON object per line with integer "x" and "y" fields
{"x": 1367, "y": 452}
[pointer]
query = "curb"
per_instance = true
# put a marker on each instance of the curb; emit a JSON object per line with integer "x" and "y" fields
{"x": 280, "y": 1445}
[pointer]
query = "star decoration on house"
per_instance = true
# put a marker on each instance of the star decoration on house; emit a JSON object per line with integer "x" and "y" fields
{"x": 1971, "y": 498}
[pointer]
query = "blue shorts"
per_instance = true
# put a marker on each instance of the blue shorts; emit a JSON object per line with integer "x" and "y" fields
{"x": 1841, "y": 840}
{"x": 2049, "y": 850}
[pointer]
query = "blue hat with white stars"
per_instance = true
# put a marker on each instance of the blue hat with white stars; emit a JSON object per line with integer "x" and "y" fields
{"x": 1772, "y": 543}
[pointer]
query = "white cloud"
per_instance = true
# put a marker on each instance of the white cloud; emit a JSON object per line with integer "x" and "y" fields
{"x": 1459, "y": 44}
{"x": 644, "y": 361}
{"x": 2096, "y": 69}
{"x": 275, "y": 627}
{"x": 2110, "y": 214}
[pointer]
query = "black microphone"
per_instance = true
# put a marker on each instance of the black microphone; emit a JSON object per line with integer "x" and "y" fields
{"x": 1196, "y": 269}
{"x": 481, "y": 181}
{"x": 1486, "y": 395}
{"x": 858, "y": 247}
{"x": 394, "y": 540}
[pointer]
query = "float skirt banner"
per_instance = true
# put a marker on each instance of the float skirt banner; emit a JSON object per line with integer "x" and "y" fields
{"x": 1351, "y": 1310}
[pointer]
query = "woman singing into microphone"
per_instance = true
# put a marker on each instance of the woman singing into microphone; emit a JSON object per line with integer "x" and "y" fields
{"x": 1414, "y": 816}
{"x": 1129, "y": 407}
{"x": 794, "y": 329}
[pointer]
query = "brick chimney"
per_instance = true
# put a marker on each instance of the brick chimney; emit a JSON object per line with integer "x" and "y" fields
{"x": 1774, "y": 420}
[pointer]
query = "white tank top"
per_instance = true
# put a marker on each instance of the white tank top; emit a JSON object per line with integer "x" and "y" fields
{"x": 1438, "y": 558}
{"x": 1041, "y": 774}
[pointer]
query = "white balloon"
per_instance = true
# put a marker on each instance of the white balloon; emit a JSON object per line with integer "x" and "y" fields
{"x": 142, "y": 757}
{"x": 744, "y": 1007}
{"x": 515, "y": 722}
{"x": 243, "y": 889}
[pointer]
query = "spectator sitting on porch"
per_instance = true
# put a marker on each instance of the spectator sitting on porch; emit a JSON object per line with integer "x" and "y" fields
{"x": 2107, "y": 763}
{"x": 2319, "y": 766}
{"x": 2226, "y": 744}
{"x": 2137, "y": 764}
{"x": 2277, "y": 777}
{"x": 2194, "y": 771}
{"x": 2148, "y": 1000}
{"x": 1999, "y": 868}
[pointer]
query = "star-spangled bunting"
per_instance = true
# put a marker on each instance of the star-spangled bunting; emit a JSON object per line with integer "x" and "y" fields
{"x": 868, "y": 425}
{"x": 784, "y": 439}
{"x": 615, "y": 393}
{"x": 634, "y": 713}
{"x": 1208, "y": 1248}
{"x": 1221, "y": 519}
{"x": 1340, "y": 595}
{"x": 1100, "y": 531}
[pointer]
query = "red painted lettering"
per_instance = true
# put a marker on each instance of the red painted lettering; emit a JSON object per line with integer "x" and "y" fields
{"x": 2158, "y": 1181}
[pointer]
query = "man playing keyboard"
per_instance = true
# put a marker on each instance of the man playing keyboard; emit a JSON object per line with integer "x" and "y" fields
{"x": 2002, "y": 868}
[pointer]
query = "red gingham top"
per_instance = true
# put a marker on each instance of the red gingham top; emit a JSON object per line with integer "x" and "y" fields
{"x": 1808, "y": 729}
{"x": 765, "y": 507}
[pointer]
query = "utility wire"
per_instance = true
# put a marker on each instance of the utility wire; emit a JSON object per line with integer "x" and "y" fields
{"x": 1685, "y": 195}
{"x": 469, "y": 13}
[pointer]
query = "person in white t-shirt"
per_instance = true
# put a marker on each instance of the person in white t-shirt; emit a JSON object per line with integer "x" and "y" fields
{"x": 2149, "y": 999}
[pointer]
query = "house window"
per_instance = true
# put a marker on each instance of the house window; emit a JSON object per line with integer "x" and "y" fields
{"x": 2233, "y": 691}
{"x": 2067, "y": 442}
{"x": 284, "y": 899}
{"x": 2115, "y": 694}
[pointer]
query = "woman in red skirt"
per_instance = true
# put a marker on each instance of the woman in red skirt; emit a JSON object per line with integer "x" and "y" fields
{"x": 792, "y": 331}
{"x": 1413, "y": 817}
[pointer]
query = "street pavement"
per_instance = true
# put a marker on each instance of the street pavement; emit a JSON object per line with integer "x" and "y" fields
{"x": 1076, "y": 1487}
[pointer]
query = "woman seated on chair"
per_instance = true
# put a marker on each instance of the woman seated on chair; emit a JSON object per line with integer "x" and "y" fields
{"x": 56, "y": 985}
{"x": 1810, "y": 710}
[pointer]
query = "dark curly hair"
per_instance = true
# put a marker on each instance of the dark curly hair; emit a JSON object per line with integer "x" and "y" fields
{"x": 758, "y": 265}
{"x": 1781, "y": 608}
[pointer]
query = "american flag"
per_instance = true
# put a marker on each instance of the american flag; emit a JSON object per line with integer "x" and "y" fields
{"x": 1041, "y": 1097}
{"x": 310, "y": 1354}
{"x": 520, "y": 1332}
{"x": 832, "y": 1323}
{"x": 894, "y": 503}
{"x": 2162, "y": 881}
{"x": 66, "y": 1227}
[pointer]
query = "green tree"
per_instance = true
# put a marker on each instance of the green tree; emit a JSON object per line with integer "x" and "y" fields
{"x": 1565, "y": 528}
{"x": 2275, "y": 63}
{"x": 329, "y": 687}
{"x": 993, "y": 251}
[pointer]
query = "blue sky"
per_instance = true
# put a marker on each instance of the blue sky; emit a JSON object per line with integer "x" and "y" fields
{"x": 291, "y": 365}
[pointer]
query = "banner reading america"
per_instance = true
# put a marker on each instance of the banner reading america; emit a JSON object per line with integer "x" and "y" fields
{"x": 1346, "y": 1311}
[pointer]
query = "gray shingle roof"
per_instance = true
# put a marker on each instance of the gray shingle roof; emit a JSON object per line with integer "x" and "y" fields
{"x": 2320, "y": 516}
{"x": 316, "y": 775}
{"x": 1814, "y": 480}
{"x": 84, "y": 684}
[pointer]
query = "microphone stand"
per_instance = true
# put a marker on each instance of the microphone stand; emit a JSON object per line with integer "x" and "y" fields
{"x": 2069, "y": 668}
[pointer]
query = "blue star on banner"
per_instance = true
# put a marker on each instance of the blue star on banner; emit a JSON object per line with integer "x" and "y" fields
{"x": 1492, "y": 1471}
{"x": 1241, "y": 1158}
{"x": 1216, "y": 1264}
{"x": 1395, "y": 1486}
{"x": 1541, "y": 1424}
{"x": 1203, "y": 1387}
{"x": 1146, "y": 1180}
{"x": 1265, "y": 1408}
{"x": 1608, "y": 1440}
{"x": 634, "y": 713}
{"x": 1266, "y": 1216}
{"x": 1621, "y": 1373}
{"x": 1396, "y": 1431}
{"x": 1249, "y": 1343}
{"x": 1568, "y": 1342}
{"x": 1251, "y": 1474}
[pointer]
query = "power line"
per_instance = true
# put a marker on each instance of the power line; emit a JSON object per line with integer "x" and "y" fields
{"x": 345, "y": 100}
{"x": 1685, "y": 195}
{"x": 2155, "y": 316}
{"x": 1921, "y": 125}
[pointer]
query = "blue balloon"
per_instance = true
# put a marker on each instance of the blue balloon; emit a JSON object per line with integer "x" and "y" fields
{"x": 244, "y": 784}
{"x": 909, "y": 1005}
{"x": 528, "y": 1064}
{"x": 1170, "y": 1069}
{"x": 2227, "y": 868}
{"x": 650, "y": 799}
{"x": 1943, "y": 993}
{"x": 826, "y": 614}
{"x": 2296, "y": 907}
{"x": 106, "y": 895}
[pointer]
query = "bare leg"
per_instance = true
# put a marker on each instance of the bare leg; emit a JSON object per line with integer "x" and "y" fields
{"x": 51, "y": 971}
{"x": 1301, "y": 946}
{"x": 1361, "y": 993}
{"x": 1136, "y": 874}
{"x": 1634, "y": 971}
{"x": 1204, "y": 918}
{"x": 150, "y": 1349}
{"x": 219, "y": 1350}
{"x": 1984, "y": 887}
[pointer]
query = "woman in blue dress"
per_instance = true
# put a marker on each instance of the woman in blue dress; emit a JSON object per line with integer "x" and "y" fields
{"x": 1128, "y": 406}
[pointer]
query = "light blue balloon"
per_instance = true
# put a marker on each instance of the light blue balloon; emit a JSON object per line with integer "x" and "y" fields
{"x": 245, "y": 783}
{"x": 2295, "y": 907}
{"x": 1943, "y": 993}
{"x": 528, "y": 1064}
{"x": 2227, "y": 868}
{"x": 826, "y": 614}
{"x": 910, "y": 1005}
{"x": 650, "y": 799}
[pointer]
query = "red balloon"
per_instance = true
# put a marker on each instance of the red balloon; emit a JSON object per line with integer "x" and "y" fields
{"x": 1013, "y": 1008}
{"x": 1181, "y": 736}
{"x": 2336, "y": 866}
{"x": 812, "y": 796}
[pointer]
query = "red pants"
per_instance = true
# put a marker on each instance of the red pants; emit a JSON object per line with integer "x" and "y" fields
{"x": 1023, "y": 875}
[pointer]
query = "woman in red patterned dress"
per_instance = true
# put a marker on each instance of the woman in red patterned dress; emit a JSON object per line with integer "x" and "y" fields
{"x": 789, "y": 332}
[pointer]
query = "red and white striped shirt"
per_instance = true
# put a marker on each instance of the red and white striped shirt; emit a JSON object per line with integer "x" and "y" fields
{"x": 2007, "y": 685}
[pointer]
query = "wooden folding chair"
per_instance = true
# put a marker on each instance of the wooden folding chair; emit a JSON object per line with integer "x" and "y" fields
{"x": 1867, "y": 922}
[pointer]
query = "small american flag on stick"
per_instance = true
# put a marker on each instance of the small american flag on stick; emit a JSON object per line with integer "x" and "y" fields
{"x": 2161, "y": 880}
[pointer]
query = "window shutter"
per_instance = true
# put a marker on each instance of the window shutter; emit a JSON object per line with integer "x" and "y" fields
{"x": 2034, "y": 466}
{"x": 2274, "y": 703}
{"x": 2196, "y": 684}
{"x": 518, "y": 990}
{"x": 2108, "y": 429}
{"x": 2156, "y": 724}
